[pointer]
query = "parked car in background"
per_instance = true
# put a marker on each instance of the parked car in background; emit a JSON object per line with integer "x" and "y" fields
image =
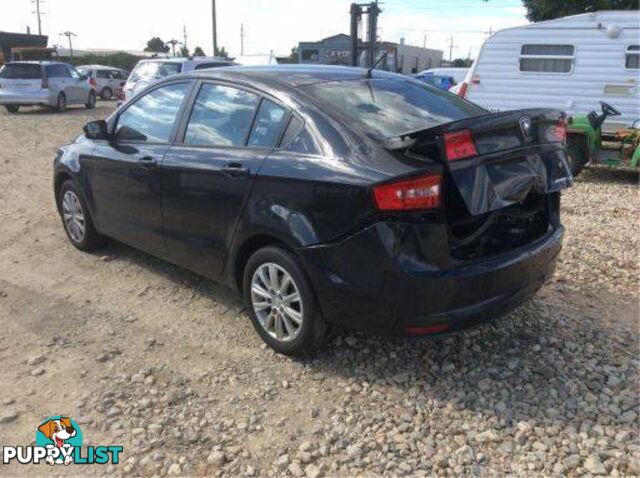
{"x": 326, "y": 197}
{"x": 149, "y": 71}
{"x": 571, "y": 63}
{"x": 439, "y": 81}
{"x": 107, "y": 81}
{"x": 52, "y": 84}
{"x": 458, "y": 74}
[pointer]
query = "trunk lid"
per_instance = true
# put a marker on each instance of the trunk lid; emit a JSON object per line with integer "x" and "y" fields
{"x": 518, "y": 154}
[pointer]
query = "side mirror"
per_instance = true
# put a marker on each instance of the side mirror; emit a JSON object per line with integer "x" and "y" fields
{"x": 96, "y": 130}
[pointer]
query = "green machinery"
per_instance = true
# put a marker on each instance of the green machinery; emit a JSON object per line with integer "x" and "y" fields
{"x": 586, "y": 143}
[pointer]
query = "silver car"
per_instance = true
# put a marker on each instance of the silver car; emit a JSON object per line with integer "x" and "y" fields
{"x": 107, "y": 81}
{"x": 149, "y": 71}
{"x": 53, "y": 84}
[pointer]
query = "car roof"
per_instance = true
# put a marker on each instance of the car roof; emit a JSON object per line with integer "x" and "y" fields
{"x": 184, "y": 59}
{"x": 99, "y": 67}
{"x": 31, "y": 62}
{"x": 290, "y": 75}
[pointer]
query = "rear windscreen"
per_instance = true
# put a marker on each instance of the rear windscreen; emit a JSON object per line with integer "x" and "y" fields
{"x": 20, "y": 71}
{"x": 155, "y": 70}
{"x": 387, "y": 107}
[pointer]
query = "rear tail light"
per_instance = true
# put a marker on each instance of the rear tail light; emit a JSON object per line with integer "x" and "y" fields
{"x": 45, "y": 83}
{"x": 560, "y": 131}
{"x": 459, "y": 145}
{"x": 409, "y": 194}
{"x": 462, "y": 92}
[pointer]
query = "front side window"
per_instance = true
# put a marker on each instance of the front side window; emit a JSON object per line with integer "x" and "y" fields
{"x": 632, "y": 57}
{"x": 387, "y": 107}
{"x": 151, "y": 118}
{"x": 547, "y": 58}
{"x": 73, "y": 73}
{"x": 221, "y": 116}
{"x": 267, "y": 124}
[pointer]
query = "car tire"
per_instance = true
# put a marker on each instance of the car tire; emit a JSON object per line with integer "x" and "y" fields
{"x": 290, "y": 337}
{"x": 12, "y": 108}
{"x": 91, "y": 102}
{"x": 61, "y": 103}
{"x": 576, "y": 153}
{"x": 106, "y": 94}
{"x": 76, "y": 218}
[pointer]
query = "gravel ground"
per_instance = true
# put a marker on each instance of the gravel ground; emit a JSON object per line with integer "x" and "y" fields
{"x": 149, "y": 356}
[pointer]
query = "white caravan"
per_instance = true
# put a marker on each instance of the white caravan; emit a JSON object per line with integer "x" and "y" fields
{"x": 570, "y": 63}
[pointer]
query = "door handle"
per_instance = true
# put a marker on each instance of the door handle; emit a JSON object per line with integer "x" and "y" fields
{"x": 235, "y": 169}
{"x": 147, "y": 162}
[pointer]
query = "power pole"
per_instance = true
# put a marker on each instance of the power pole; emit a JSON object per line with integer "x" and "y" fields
{"x": 184, "y": 36}
{"x": 424, "y": 41}
{"x": 38, "y": 15}
{"x": 242, "y": 39}
{"x": 373, "y": 12}
{"x": 213, "y": 18}
{"x": 451, "y": 47}
{"x": 69, "y": 34}
{"x": 173, "y": 44}
{"x": 356, "y": 15}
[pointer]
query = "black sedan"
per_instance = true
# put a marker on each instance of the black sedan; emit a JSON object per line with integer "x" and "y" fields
{"x": 326, "y": 195}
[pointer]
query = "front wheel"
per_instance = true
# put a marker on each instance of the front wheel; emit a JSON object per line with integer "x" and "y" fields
{"x": 91, "y": 101}
{"x": 76, "y": 218}
{"x": 281, "y": 304}
{"x": 12, "y": 108}
{"x": 106, "y": 94}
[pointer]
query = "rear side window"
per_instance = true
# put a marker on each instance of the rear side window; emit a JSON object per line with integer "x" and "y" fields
{"x": 386, "y": 107}
{"x": 58, "y": 71}
{"x": 18, "y": 71}
{"x": 297, "y": 139}
{"x": 103, "y": 74}
{"x": 221, "y": 116}
{"x": 151, "y": 118}
{"x": 547, "y": 58}
{"x": 267, "y": 124}
{"x": 216, "y": 64}
{"x": 632, "y": 57}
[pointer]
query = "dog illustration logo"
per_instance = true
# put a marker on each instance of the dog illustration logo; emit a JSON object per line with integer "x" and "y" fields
{"x": 62, "y": 433}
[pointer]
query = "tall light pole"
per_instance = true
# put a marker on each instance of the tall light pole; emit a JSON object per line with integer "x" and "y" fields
{"x": 69, "y": 34}
{"x": 173, "y": 44}
{"x": 213, "y": 22}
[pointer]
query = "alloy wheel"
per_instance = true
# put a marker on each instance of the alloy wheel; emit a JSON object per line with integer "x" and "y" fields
{"x": 277, "y": 302}
{"x": 73, "y": 216}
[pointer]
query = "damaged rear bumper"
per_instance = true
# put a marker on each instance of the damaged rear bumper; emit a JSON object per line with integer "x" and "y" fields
{"x": 382, "y": 279}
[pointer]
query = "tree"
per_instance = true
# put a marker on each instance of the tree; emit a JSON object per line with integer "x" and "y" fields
{"x": 156, "y": 45}
{"x": 197, "y": 51}
{"x": 539, "y": 10}
{"x": 184, "y": 51}
{"x": 462, "y": 62}
{"x": 221, "y": 52}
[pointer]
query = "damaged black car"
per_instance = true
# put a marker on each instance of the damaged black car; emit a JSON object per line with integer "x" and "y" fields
{"x": 327, "y": 195}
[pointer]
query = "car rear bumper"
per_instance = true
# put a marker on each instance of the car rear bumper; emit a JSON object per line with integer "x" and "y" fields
{"x": 377, "y": 280}
{"x": 26, "y": 98}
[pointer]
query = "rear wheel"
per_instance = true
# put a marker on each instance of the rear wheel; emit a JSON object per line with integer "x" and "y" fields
{"x": 106, "y": 94}
{"x": 280, "y": 302}
{"x": 61, "y": 103}
{"x": 577, "y": 153}
{"x": 76, "y": 218}
{"x": 12, "y": 108}
{"x": 91, "y": 101}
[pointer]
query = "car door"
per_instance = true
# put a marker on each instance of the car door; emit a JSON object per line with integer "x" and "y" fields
{"x": 207, "y": 176}
{"x": 123, "y": 172}
{"x": 78, "y": 86}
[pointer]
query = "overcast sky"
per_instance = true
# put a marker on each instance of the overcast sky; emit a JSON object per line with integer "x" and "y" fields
{"x": 275, "y": 25}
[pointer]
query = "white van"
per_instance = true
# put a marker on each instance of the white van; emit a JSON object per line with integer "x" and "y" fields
{"x": 570, "y": 63}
